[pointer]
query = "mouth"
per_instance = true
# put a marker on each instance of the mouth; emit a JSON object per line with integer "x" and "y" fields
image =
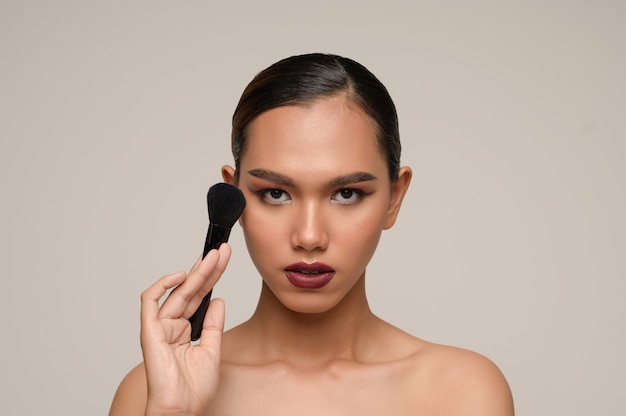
{"x": 309, "y": 275}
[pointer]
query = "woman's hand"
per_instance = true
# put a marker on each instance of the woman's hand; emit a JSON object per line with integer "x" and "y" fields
{"x": 182, "y": 378}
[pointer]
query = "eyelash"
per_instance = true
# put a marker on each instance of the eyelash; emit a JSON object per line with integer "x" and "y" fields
{"x": 264, "y": 195}
{"x": 358, "y": 192}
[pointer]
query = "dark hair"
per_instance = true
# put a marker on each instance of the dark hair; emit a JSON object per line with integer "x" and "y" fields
{"x": 299, "y": 80}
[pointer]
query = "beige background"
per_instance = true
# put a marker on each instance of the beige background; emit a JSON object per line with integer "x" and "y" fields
{"x": 114, "y": 120}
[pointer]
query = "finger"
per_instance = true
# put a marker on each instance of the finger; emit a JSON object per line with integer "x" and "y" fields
{"x": 196, "y": 264}
{"x": 150, "y": 297}
{"x": 191, "y": 291}
{"x": 213, "y": 328}
{"x": 224, "y": 252}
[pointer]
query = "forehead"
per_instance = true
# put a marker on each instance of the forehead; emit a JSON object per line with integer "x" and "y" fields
{"x": 329, "y": 135}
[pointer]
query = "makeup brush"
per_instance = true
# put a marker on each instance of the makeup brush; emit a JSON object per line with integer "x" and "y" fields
{"x": 225, "y": 203}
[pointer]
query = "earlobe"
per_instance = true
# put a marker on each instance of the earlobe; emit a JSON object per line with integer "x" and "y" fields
{"x": 228, "y": 174}
{"x": 398, "y": 190}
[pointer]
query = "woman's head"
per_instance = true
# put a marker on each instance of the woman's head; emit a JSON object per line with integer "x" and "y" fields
{"x": 316, "y": 147}
{"x": 300, "y": 80}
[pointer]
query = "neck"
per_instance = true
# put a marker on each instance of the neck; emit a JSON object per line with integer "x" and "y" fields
{"x": 313, "y": 340}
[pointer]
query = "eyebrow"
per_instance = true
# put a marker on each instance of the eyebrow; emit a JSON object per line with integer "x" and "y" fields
{"x": 284, "y": 180}
{"x": 272, "y": 176}
{"x": 352, "y": 178}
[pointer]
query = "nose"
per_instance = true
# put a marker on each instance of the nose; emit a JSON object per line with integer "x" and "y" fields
{"x": 309, "y": 231}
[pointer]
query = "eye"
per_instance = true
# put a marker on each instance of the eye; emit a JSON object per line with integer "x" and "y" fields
{"x": 347, "y": 196}
{"x": 274, "y": 196}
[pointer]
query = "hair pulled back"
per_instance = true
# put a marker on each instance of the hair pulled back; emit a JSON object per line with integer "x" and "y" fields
{"x": 301, "y": 79}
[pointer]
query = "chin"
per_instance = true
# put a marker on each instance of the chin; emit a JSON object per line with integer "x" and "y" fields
{"x": 309, "y": 303}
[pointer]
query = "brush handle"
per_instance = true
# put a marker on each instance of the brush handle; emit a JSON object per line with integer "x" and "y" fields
{"x": 215, "y": 236}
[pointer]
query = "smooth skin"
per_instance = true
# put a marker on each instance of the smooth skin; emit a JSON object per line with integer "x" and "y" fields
{"x": 317, "y": 190}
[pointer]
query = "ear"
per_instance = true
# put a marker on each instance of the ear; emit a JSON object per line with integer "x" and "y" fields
{"x": 228, "y": 174}
{"x": 398, "y": 190}
{"x": 230, "y": 177}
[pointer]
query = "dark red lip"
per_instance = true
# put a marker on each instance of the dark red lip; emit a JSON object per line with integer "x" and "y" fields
{"x": 309, "y": 275}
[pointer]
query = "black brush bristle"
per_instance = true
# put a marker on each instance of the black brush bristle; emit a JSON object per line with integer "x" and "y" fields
{"x": 226, "y": 203}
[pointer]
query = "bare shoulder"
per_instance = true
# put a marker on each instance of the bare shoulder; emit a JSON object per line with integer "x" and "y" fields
{"x": 132, "y": 393}
{"x": 461, "y": 381}
{"x": 440, "y": 379}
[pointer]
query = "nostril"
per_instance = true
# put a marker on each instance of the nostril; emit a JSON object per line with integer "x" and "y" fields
{"x": 309, "y": 232}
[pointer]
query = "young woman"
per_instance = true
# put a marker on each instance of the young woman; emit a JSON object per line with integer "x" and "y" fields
{"x": 317, "y": 155}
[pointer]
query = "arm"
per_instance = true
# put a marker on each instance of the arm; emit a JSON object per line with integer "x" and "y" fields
{"x": 486, "y": 392}
{"x": 132, "y": 395}
{"x": 477, "y": 387}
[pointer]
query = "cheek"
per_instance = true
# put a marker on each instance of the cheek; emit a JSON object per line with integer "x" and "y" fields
{"x": 359, "y": 232}
{"x": 368, "y": 218}
{"x": 261, "y": 231}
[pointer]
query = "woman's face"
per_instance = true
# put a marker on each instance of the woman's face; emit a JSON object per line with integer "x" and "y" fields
{"x": 318, "y": 196}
